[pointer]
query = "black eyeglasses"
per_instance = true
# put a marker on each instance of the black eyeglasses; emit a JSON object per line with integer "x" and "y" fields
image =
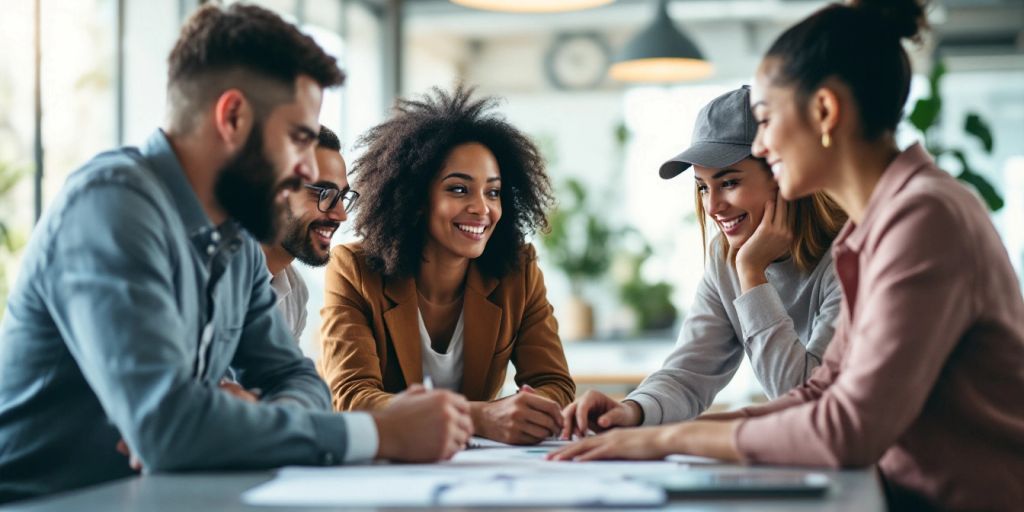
{"x": 328, "y": 198}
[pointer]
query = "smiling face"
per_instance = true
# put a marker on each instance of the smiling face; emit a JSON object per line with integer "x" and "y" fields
{"x": 464, "y": 203}
{"x": 734, "y": 197}
{"x": 308, "y": 231}
{"x": 277, "y": 159}
{"x": 785, "y": 139}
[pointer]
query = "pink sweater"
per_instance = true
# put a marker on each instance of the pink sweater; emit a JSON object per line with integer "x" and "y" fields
{"x": 925, "y": 374}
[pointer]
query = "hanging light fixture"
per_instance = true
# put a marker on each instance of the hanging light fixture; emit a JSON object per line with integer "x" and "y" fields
{"x": 532, "y": 5}
{"x": 660, "y": 53}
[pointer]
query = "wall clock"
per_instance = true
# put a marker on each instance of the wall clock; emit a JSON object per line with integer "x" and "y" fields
{"x": 577, "y": 61}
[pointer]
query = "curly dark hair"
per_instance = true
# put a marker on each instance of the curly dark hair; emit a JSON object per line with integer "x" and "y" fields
{"x": 403, "y": 155}
{"x": 245, "y": 47}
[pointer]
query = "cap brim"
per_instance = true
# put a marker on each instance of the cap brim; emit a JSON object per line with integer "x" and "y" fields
{"x": 716, "y": 155}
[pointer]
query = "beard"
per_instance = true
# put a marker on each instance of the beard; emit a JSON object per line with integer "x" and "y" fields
{"x": 247, "y": 191}
{"x": 298, "y": 239}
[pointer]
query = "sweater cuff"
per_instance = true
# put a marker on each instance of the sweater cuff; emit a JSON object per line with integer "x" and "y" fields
{"x": 652, "y": 409}
{"x": 759, "y": 309}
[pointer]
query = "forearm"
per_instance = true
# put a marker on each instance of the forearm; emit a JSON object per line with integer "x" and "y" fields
{"x": 751, "y": 278}
{"x": 303, "y": 386}
{"x": 361, "y": 398}
{"x": 561, "y": 393}
{"x": 353, "y": 375}
{"x": 714, "y": 439}
{"x": 778, "y": 356}
{"x": 234, "y": 433}
{"x": 477, "y": 413}
{"x": 684, "y": 387}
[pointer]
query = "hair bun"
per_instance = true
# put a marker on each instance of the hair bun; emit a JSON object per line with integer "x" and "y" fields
{"x": 904, "y": 18}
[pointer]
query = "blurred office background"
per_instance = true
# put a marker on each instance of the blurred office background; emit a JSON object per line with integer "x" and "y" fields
{"x": 100, "y": 72}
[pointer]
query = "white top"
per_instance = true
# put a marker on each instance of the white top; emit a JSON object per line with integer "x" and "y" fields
{"x": 292, "y": 296}
{"x": 444, "y": 369}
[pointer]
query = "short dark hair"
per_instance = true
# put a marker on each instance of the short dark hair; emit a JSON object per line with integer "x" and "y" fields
{"x": 245, "y": 47}
{"x": 405, "y": 153}
{"x": 860, "y": 44}
{"x": 327, "y": 139}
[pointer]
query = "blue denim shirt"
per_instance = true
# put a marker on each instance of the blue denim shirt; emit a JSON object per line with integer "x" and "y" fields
{"x": 129, "y": 308}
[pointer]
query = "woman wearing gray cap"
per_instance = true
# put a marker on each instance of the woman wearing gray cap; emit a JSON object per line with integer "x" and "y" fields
{"x": 922, "y": 381}
{"x": 768, "y": 290}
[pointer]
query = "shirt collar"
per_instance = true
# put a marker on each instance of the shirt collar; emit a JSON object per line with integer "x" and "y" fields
{"x": 899, "y": 171}
{"x": 209, "y": 240}
{"x": 282, "y": 283}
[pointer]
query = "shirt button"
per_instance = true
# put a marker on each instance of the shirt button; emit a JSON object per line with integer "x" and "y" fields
{"x": 328, "y": 459}
{"x": 210, "y": 249}
{"x": 215, "y": 236}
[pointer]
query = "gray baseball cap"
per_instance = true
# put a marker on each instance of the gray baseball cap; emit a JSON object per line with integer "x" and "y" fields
{"x": 722, "y": 136}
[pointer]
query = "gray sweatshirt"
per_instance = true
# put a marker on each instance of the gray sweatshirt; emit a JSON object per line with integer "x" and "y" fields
{"x": 783, "y": 326}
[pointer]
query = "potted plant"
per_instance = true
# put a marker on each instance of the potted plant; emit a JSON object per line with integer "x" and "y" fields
{"x": 577, "y": 242}
{"x": 650, "y": 302}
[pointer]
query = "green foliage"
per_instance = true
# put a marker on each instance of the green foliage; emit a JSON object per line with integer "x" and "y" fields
{"x": 977, "y": 127}
{"x": 578, "y": 241}
{"x": 925, "y": 116}
{"x": 651, "y": 302}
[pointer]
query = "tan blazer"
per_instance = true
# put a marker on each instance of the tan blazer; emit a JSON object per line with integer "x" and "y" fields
{"x": 371, "y": 341}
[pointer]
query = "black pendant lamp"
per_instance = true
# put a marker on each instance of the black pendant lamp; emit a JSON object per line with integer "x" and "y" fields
{"x": 660, "y": 54}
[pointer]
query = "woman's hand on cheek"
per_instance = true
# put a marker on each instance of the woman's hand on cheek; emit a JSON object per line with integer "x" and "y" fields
{"x": 770, "y": 241}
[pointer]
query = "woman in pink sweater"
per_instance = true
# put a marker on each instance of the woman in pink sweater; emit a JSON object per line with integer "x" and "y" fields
{"x": 925, "y": 374}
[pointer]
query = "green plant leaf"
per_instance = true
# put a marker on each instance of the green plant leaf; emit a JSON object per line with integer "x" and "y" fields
{"x": 925, "y": 113}
{"x": 621, "y": 134}
{"x": 985, "y": 189}
{"x": 977, "y": 126}
{"x": 935, "y": 78}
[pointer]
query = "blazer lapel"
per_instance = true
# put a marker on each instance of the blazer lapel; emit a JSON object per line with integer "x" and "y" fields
{"x": 481, "y": 324}
{"x": 402, "y": 322}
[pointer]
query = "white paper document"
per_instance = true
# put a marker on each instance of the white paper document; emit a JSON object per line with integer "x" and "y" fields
{"x": 553, "y": 490}
{"x": 451, "y": 485}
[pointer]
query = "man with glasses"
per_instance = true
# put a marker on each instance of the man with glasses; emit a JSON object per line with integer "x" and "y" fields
{"x": 311, "y": 218}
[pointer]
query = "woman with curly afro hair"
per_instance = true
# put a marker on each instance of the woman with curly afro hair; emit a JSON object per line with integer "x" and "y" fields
{"x": 443, "y": 286}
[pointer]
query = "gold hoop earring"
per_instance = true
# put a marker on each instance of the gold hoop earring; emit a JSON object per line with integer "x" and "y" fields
{"x": 826, "y": 140}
